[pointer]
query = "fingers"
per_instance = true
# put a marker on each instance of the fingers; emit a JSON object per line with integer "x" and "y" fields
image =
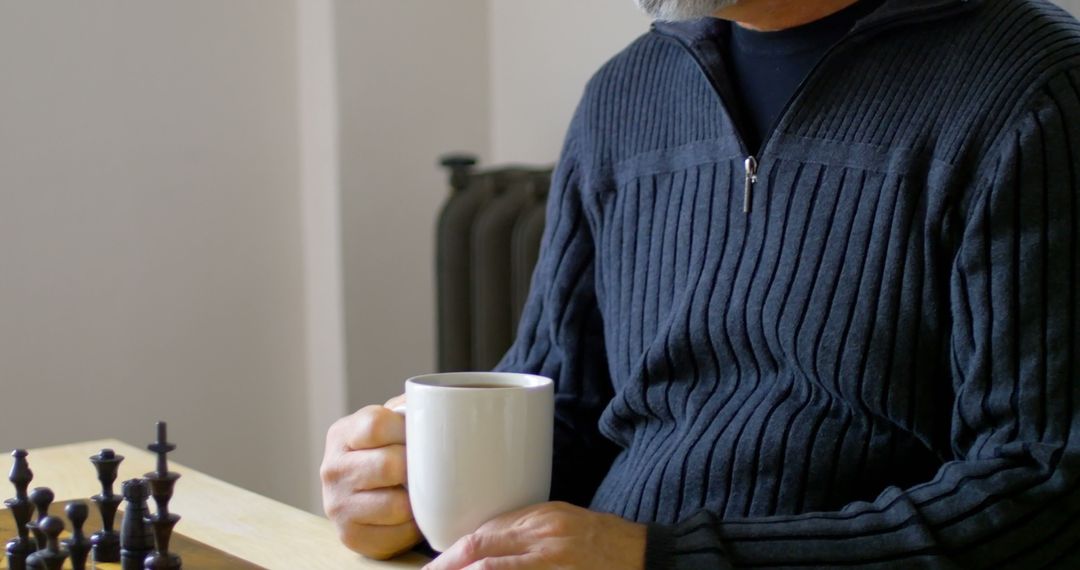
{"x": 363, "y": 474}
{"x": 380, "y": 542}
{"x": 394, "y": 402}
{"x": 376, "y": 426}
{"x": 367, "y": 469}
{"x": 478, "y": 546}
{"x": 369, "y": 428}
{"x": 379, "y": 507}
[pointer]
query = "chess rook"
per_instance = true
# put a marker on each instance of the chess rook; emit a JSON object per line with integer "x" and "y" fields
{"x": 20, "y": 547}
{"x": 136, "y": 537}
{"x": 105, "y": 542}
{"x": 50, "y": 557}
{"x": 78, "y": 546}
{"x": 161, "y": 483}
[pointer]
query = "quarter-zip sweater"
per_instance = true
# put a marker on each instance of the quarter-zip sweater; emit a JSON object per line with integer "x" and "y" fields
{"x": 863, "y": 349}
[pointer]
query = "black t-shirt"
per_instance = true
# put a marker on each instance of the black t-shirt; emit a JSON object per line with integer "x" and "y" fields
{"x": 767, "y": 67}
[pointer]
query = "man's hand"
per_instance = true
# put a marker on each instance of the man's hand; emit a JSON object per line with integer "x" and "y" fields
{"x": 363, "y": 478}
{"x": 550, "y": 535}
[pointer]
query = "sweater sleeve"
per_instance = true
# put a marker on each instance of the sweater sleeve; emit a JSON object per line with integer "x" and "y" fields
{"x": 1010, "y": 498}
{"x": 561, "y": 336}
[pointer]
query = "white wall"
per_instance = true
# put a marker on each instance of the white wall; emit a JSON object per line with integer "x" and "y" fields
{"x": 320, "y": 211}
{"x": 178, "y": 192}
{"x": 1071, "y": 5}
{"x": 413, "y": 84}
{"x": 150, "y": 245}
{"x": 542, "y": 53}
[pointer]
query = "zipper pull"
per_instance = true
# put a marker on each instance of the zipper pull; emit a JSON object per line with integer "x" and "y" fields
{"x": 751, "y": 178}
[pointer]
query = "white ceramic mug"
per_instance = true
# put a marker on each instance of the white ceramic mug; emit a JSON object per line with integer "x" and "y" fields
{"x": 476, "y": 453}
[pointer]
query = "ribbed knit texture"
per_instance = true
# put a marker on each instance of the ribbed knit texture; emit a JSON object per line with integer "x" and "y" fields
{"x": 876, "y": 366}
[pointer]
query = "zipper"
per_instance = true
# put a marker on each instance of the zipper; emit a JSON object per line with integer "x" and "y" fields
{"x": 752, "y": 161}
{"x": 751, "y": 179}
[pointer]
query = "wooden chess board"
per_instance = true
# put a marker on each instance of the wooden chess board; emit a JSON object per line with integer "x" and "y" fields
{"x": 195, "y": 554}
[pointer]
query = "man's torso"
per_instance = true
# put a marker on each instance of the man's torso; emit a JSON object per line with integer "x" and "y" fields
{"x": 823, "y": 314}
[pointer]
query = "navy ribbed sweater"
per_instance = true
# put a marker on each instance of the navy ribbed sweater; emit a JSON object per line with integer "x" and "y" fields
{"x": 877, "y": 363}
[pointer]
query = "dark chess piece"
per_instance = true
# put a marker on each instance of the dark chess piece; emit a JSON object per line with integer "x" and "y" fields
{"x": 162, "y": 482}
{"x": 106, "y": 543}
{"x": 41, "y": 497}
{"x": 51, "y": 557}
{"x": 78, "y": 546}
{"x": 136, "y": 538}
{"x": 161, "y": 558}
{"x": 20, "y": 547}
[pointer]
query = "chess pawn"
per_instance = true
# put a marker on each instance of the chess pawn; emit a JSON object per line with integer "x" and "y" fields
{"x": 51, "y": 557}
{"x": 106, "y": 543}
{"x": 20, "y": 547}
{"x": 78, "y": 546}
{"x": 136, "y": 538}
{"x": 41, "y": 497}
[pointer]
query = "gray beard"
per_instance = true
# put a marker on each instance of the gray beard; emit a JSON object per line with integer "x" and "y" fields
{"x": 674, "y": 10}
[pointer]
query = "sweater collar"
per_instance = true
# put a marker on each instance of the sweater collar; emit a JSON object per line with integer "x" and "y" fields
{"x": 889, "y": 14}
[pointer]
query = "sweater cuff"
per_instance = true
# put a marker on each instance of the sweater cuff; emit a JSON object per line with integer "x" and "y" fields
{"x": 659, "y": 547}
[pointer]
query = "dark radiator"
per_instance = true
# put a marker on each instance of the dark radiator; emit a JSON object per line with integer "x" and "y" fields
{"x": 487, "y": 242}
